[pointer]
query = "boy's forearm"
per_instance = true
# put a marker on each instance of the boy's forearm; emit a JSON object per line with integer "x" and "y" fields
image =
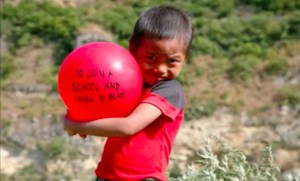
{"x": 103, "y": 127}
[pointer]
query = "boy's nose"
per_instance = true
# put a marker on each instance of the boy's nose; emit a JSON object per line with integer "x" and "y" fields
{"x": 161, "y": 69}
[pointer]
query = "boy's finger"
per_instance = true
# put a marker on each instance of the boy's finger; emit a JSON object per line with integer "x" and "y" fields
{"x": 71, "y": 133}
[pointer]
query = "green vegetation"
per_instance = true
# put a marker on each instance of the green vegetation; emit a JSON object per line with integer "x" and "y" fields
{"x": 5, "y": 126}
{"x": 238, "y": 35}
{"x": 30, "y": 172}
{"x": 217, "y": 161}
{"x": 52, "y": 148}
{"x": 198, "y": 108}
{"x": 277, "y": 66}
{"x": 44, "y": 20}
{"x": 227, "y": 163}
{"x": 7, "y": 66}
{"x": 217, "y": 25}
{"x": 291, "y": 96}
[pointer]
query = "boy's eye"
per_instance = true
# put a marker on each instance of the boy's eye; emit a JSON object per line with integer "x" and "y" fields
{"x": 172, "y": 60}
{"x": 152, "y": 58}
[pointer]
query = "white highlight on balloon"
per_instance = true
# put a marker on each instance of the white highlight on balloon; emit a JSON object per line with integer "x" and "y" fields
{"x": 117, "y": 65}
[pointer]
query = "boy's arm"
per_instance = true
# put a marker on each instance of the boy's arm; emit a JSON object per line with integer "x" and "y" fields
{"x": 142, "y": 116}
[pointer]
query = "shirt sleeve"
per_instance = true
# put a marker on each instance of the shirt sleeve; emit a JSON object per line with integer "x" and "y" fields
{"x": 168, "y": 96}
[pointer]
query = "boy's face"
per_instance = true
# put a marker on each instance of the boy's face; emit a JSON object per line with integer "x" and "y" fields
{"x": 160, "y": 59}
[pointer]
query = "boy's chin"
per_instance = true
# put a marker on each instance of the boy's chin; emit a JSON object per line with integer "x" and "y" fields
{"x": 151, "y": 82}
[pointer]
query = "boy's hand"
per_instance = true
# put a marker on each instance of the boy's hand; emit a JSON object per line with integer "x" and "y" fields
{"x": 70, "y": 133}
{"x": 68, "y": 126}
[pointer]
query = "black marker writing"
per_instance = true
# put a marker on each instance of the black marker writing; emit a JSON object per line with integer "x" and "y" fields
{"x": 101, "y": 98}
{"x": 95, "y": 73}
{"x": 89, "y": 86}
{"x": 112, "y": 85}
{"x": 85, "y": 99}
{"x": 79, "y": 72}
{"x": 114, "y": 96}
{"x": 110, "y": 73}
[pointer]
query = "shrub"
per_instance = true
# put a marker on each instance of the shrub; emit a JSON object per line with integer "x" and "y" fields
{"x": 198, "y": 109}
{"x": 114, "y": 21}
{"x": 204, "y": 46}
{"x": 52, "y": 148}
{"x": 274, "y": 5}
{"x": 7, "y": 66}
{"x": 185, "y": 76}
{"x": 225, "y": 32}
{"x": 291, "y": 95}
{"x": 43, "y": 19}
{"x": 242, "y": 67}
{"x": 293, "y": 22}
{"x": 277, "y": 66}
{"x": 230, "y": 164}
{"x": 30, "y": 172}
{"x": 218, "y": 8}
{"x": 247, "y": 48}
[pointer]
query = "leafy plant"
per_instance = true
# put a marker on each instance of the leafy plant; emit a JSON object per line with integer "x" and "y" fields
{"x": 7, "y": 65}
{"x": 230, "y": 164}
{"x": 204, "y": 46}
{"x": 198, "y": 109}
{"x": 29, "y": 172}
{"x": 291, "y": 95}
{"x": 277, "y": 66}
{"x": 272, "y": 5}
{"x": 45, "y": 20}
{"x": 52, "y": 148}
{"x": 242, "y": 67}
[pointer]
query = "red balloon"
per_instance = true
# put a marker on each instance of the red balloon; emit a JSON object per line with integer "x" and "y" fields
{"x": 99, "y": 80}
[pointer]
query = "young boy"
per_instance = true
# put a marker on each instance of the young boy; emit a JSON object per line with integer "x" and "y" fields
{"x": 139, "y": 145}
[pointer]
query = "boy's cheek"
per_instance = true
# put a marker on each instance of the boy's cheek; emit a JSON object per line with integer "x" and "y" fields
{"x": 145, "y": 66}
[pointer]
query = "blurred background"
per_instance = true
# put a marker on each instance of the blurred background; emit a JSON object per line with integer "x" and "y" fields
{"x": 242, "y": 81}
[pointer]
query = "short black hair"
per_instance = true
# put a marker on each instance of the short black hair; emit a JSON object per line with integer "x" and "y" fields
{"x": 163, "y": 22}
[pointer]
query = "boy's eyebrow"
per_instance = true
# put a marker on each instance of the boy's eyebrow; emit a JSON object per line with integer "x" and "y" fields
{"x": 175, "y": 56}
{"x": 171, "y": 55}
{"x": 149, "y": 51}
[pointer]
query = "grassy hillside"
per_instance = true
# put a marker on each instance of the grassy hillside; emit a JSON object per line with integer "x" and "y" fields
{"x": 239, "y": 42}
